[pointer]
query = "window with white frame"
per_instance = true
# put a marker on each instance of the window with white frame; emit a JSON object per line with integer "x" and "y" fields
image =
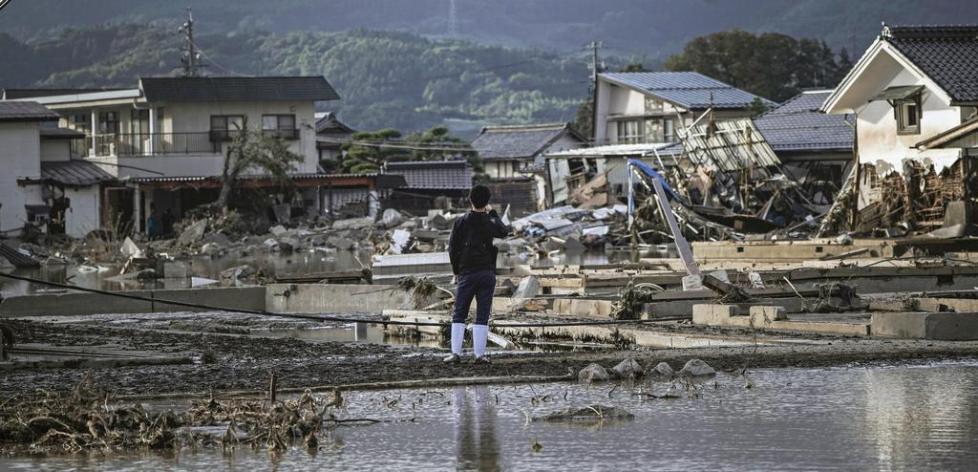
{"x": 629, "y": 132}
{"x": 908, "y": 114}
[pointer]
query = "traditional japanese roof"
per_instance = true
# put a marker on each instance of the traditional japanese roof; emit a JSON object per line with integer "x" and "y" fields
{"x": 946, "y": 54}
{"x": 433, "y": 175}
{"x": 236, "y": 89}
{"x": 328, "y": 123}
{"x": 690, "y": 90}
{"x": 799, "y": 125}
{"x": 523, "y": 142}
{"x": 76, "y": 173}
{"x": 25, "y": 111}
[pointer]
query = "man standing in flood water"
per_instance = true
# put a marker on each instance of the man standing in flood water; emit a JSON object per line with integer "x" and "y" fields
{"x": 473, "y": 258}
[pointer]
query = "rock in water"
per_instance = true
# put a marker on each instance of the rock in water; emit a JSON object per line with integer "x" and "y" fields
{"x": 593, "y": 413}
{"x": 697, "y": 368}
{"x": 593, "y": 373}
{"x": 628, "y": 369}
{"x": 661, "y": 370}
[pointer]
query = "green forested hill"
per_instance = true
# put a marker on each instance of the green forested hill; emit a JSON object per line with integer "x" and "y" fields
{"x": 385, "y": 79}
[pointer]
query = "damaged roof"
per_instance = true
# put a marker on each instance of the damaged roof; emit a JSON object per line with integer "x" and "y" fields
{"x": 798, "y": 124}
{"x": 433, "y": 175}
{"x": 237, "y": 89}
{"x": 522, "y": 142}
{"x": 946, "y": 54}
{"x": 690, "y": 90}
{"x": 74, "y": 173}
{"x": 26, "y": 111}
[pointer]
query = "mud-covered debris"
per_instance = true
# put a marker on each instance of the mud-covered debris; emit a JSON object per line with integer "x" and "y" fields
{"x": 661, "y": 370}
{"x": 192, "y": 233}
{"x": 528, "y": 287}
{"x": 588, "y": 414}
{"x": 391, "y": 218}
{"x": 697, "y": 368}
{"x": 628, "y": 369}
{"x": 593, "y": 373}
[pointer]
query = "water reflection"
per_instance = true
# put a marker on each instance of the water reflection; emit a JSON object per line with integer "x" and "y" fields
{"x": 476, "y": 441}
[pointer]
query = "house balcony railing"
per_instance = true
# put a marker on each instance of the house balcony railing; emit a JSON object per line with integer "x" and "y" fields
{"x": 147, "y": 144}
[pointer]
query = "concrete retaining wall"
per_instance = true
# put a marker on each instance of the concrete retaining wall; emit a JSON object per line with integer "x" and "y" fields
{"x": 334, "y": 298}
{"x": 939, "y": 326}
{"x": 80, "y": 303}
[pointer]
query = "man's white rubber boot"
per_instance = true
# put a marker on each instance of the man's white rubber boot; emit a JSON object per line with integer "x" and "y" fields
{"x": 458, "y": 337}
{"x": 480, "y": 334}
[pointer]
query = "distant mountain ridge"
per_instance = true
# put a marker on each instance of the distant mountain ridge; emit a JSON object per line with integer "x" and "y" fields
{"x": 650, "y": 28}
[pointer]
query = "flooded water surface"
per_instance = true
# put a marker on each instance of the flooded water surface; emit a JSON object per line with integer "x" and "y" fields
{"x": 896, "y": 417}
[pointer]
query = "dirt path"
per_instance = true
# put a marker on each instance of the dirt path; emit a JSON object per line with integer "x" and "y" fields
{"x": 245, "y": 363}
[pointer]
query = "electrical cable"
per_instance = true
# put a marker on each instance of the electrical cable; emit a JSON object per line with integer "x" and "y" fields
{"x": 340, "y": 319}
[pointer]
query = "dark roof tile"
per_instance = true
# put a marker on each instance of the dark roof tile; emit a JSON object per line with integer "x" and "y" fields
{"x": 519, "y": 142}
{"x": 947, "y": 54}
{"x": 433, "y": 175}
{"x": 74, "y": 173}
{"x": 690, "y": 90}
{"x": 25, "y": 111}
{"x": 236, "y": 89}
{"x": 799, "y": 125}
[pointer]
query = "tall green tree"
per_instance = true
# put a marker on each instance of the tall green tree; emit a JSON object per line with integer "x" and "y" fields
{"x": 772, "y": 65}
{"x": 251, "y": 150}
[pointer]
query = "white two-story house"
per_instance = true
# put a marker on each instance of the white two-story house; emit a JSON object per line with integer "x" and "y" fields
{"x": 914, "y": 93}
{"x": 42, "y": 185}
{"x": 167, "y": 138}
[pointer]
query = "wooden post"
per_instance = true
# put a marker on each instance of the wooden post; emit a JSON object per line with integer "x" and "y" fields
{"x": 854, "y": 213}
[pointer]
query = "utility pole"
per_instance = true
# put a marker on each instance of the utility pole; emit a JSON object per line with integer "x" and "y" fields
{"x": 191, "y": 58}
{"x": 595, "y": 66}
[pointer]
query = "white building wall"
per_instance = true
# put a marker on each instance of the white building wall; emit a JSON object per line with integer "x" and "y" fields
{"x": 879, "y": 143}
{"x": 196, "y": 117}
{"x": 83, "y": 215}
{"x": 20, "y": 151}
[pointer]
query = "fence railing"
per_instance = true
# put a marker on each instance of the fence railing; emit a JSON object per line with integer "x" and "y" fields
{"x": 148, "y": 144}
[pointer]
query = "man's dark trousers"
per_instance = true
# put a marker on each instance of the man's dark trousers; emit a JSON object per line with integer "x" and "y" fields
{"x": 478, "y": 284}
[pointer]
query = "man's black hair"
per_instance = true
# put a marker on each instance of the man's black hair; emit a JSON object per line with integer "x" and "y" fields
{"x": 479, "y": 196}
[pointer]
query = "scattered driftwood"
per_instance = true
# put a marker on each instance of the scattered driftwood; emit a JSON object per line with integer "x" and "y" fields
{"x": 588, "y": 414}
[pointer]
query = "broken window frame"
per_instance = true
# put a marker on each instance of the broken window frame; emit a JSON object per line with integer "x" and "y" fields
{"x": 903, "y": 114}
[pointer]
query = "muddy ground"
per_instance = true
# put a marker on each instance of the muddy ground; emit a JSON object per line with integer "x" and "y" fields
{"x": 227, "y": 362}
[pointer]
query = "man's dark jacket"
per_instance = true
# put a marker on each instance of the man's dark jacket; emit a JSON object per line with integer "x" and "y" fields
{"x": 470, "y": 246}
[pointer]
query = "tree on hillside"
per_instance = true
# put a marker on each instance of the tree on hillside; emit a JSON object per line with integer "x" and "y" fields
{"x": 772, "y": 65}
{"x": 251, "y": 150}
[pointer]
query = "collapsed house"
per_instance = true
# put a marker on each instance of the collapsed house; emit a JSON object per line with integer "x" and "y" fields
{"x": 815, "y": 148}
{"x": 914, "y": 96}
{"x": 641, "y": 115}
{"x": 513, "y": 157}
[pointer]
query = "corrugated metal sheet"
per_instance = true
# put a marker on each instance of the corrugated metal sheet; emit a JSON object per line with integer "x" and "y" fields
{"x": 731, "y": 145}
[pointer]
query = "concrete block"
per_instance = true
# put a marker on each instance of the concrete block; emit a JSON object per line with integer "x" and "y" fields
{"x": 713, "y": 315}
{"x": 176, "y": 270}
{"x": 948, "y": 326}
{"x": 761, "y": 315}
